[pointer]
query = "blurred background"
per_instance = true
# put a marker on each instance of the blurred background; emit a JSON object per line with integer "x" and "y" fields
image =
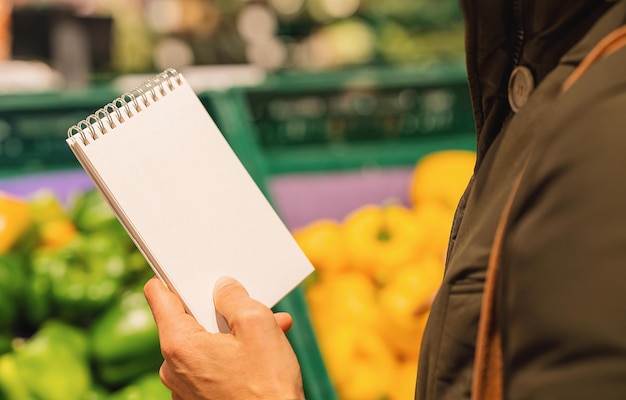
{"x": 86, "y": 40}
{"x": 352, "y": 116}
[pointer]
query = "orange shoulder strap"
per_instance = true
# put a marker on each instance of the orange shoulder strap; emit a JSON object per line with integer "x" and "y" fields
{"x": 487, "y": 382}
{"x": 607, "y": 46}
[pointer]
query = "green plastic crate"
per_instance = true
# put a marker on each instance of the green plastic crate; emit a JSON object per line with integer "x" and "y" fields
{"x": 347, "y": 120}
{"x": 339, "y": 121}
{"x": 32, "y": 127}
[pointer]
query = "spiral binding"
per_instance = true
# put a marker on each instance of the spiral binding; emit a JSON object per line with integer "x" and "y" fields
{"x": 126, "y": 106}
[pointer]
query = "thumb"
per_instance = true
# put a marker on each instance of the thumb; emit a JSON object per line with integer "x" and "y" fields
{"x": 233, "y": 302}
{"x": 284, "y": 321}
{"x": 227, "y": 291}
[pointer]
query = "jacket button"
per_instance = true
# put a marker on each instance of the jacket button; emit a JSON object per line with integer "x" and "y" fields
{"x": 521, "y": 85}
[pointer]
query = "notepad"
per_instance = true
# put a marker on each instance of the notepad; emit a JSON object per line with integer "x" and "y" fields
{"x": 185, "y": 198}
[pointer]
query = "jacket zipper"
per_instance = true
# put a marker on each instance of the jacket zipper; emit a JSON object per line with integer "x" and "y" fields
{"x": 517, "y": 55}
{"x": 519, "y": 32}
{"x": 517, "y": 47}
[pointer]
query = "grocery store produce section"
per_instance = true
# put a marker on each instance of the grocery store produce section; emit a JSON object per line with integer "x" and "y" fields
{"x": 364, "y": 167}
{"x": 352, "y": 116}
{"x": 74, "y": 323}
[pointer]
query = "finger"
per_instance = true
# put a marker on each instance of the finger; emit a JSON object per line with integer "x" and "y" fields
{"x": 169, "y": 313}
{"x": 284, "y": 321}
{"x": 176, "y": 397}
{"x": 233, "y": 303}
{"x": 165, "y": 374}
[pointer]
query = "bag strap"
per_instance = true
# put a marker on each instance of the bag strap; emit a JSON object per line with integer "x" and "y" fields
{"x": 607, "y": 46}
{"x": 488, "y": 380}
{"x": 488, "y": 368}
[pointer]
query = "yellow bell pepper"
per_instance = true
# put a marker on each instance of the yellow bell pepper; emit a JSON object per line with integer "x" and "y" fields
{"x": 15, "y": 218}
{"x": 54, "y": 227}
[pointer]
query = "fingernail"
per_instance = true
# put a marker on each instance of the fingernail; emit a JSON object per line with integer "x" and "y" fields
{"x": 223, "y": 281}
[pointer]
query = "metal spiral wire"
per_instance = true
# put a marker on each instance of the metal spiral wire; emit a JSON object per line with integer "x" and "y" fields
{"x": 125, "y": 107}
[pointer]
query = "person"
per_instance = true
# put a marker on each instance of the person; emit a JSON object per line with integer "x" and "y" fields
{"x": 546, "y": 203}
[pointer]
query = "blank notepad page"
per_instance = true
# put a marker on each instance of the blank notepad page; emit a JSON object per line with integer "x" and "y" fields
{"x": 185, "y": 198}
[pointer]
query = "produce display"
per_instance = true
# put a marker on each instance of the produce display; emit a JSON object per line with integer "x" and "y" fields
{"x": 74, "y": 324}
{"x": 377, "y": 272}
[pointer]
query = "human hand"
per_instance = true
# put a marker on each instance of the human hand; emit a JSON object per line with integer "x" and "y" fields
{"x": 254, "y": 361}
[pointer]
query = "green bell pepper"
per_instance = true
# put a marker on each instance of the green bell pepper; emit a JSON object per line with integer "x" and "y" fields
{"x": 146, "y": 387}
{"x": 84, "y": 277}
{"x": 37, "y": 301}
{"x": 51, "y": 365}
{"x": 12, "y": 384}
{"x": 96, "y": 392}
{"x": 24, "y": 297}
{"x": 91, "y": 213}
{"x": 138, "y": 269}
{"x": 125, "y": 341}
{"x": 5, "y": 343}
{"x": 12, "y": 281}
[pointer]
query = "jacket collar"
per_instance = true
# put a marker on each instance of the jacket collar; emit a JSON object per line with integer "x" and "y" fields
{"x": 503, "y": 34}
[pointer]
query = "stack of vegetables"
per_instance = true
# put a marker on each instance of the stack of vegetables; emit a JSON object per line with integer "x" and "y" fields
{"x": 377, "y": 272}
{"x": 74, "y": 324}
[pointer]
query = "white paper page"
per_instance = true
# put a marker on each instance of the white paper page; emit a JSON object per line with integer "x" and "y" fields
{"x": 196, "y": 212}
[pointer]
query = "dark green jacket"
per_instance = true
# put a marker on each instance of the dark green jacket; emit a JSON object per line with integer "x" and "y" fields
{"x": 561, "y": 300}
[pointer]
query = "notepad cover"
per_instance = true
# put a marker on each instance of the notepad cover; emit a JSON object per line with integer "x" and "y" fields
{"x": 187, "y": 201}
